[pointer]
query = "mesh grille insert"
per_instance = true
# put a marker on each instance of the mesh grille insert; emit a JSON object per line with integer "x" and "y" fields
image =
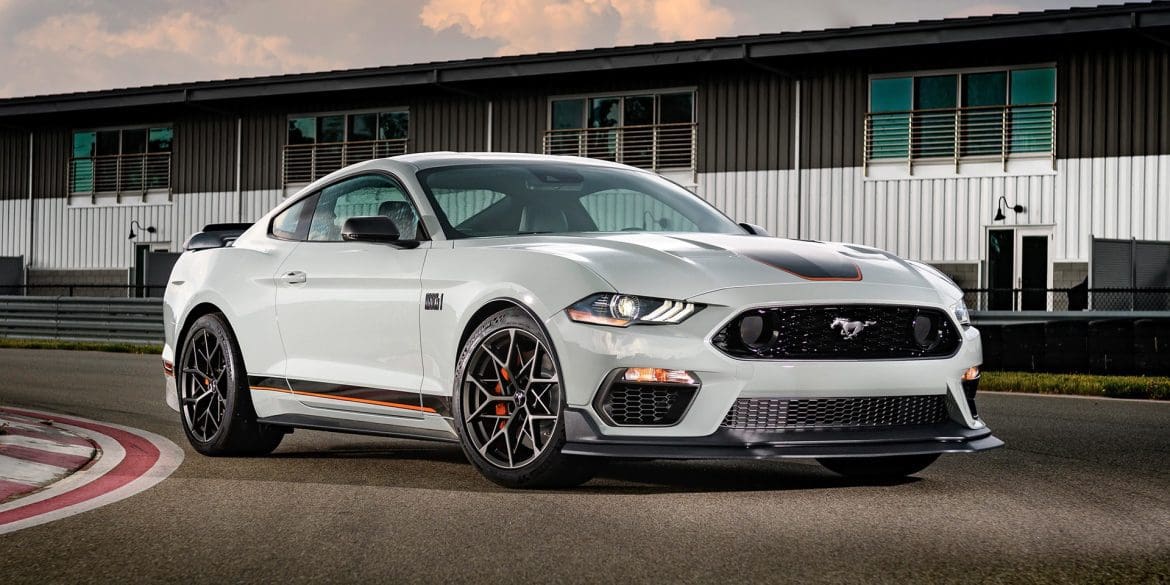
{"x": 646, "y": 404}
{"x": 835, "y": 413}
{"x": 840, "y": 332}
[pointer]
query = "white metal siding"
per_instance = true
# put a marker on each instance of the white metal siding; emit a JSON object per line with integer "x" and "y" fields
{"x": 14, "y": 227}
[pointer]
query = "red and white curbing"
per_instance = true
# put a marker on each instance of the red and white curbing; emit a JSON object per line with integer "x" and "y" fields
{"x": 129, "y": 461}
{"x": 34, "y": 454}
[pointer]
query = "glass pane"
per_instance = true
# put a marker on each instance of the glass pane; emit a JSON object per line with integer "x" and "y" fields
{"x": 1031, "y": 125}
{"x": 676, "y": 108}
{"x": 160, "y": 140}
{"x": 461, "y": 206}
{"x": 638, "y": 110}
{"x": 621, "y": 210}
{"x": 362, "y": 197}
{"x": 890, "y": 95}
{"x": 363, "y": 126}
{"x": 331, "y": 129}
{"x": 133, "y": 141}
{"x": 603, "y": 112}
{"x": 393, "y": 126}
{"x": 83, "y": 144}
{"x": 984, "y": 94}
{"x": 934, "y": 131}
{"x": 302, "y": 130}
{"x": 568, "y": 114}
{"x": 107, "y": 143}
{"x": 285, "y": 224}
{"x": 1034, "y": 86}
{"x": 890, "y": 133}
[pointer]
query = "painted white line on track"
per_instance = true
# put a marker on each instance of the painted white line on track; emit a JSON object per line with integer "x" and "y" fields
{"x": 86, "y": 489}
{"x": 25, "y": 471}
{"x": 46, "y": 445}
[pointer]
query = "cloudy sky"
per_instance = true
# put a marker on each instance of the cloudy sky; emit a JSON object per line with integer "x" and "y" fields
{"x": 54, "y": 46}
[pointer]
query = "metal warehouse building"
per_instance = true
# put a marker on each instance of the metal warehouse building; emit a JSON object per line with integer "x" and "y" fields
{"x": 1021, "y": 151}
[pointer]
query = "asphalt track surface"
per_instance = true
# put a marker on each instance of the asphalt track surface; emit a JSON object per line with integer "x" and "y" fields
{"x": 1080, "y": 494}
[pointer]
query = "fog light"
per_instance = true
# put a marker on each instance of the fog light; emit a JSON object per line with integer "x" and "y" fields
{"x": 971, "y": 373}
{"x": 658, "y": 375}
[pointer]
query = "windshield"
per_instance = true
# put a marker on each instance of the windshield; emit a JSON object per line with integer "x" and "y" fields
{"x": 507, "y": 199}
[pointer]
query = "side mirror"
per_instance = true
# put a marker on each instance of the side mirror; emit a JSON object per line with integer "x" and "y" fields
{"x": 754, "y": 229}
{"x": 374, "y": 228}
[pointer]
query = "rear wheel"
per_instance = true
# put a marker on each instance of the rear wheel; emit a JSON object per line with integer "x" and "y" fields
{"x": 509, "y": 406}
{"x": 878, "y": 468}
{"x": 215, "y": 402}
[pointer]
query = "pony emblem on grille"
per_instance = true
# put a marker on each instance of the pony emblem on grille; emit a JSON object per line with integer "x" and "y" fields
{"x": 850, "y": 329}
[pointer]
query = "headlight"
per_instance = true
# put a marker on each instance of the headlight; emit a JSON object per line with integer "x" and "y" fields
{"x": 621, "y": 310}
{"x": 962, "y": 315}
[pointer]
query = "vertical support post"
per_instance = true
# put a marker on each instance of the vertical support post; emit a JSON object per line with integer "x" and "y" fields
{"x": 796, "y": 137}
{"x": 488, "y": 146}
{"x": 32, "y": 213}
{"x": 239, "y": 169}
{"x": 1003, "y": 141}
{"x": 957, "y": 137}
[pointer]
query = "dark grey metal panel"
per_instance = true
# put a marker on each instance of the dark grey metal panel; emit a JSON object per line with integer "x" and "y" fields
{"x": 1112, "y": 263}
{"x": 745, "y": 121}
{"x": 446, "y": 122}
{"x": 11, "y": 274}
{"x": 264, "y": 135}
{"x": 157, "y": 271}
{"x": 13, "y": 164}
{"x": 1113, "y": 99}
{"x": 833, "y": 106}
{"x": 52, "y": 148}
{"x": 203, "y": 156}
{"x": 518, "y": 122}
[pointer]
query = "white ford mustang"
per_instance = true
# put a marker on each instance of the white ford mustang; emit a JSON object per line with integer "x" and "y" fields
{"x": 548, "y": 313}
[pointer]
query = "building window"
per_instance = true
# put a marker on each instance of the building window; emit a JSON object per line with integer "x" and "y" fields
{"x": 120, "y": 161}
{"x": 320, "y": 144}
{"x": 986, "y": 115}
{"x": 653, "y": 130}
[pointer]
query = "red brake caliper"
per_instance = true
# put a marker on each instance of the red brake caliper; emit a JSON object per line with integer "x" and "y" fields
{"x": 501, "y": 408}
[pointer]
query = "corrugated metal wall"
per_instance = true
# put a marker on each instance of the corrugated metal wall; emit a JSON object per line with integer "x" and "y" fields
{"x": 519, "y": 122}
{"x": 13, "y": 164}
{"x": 14, "y": 220}
{"x": 1114, "y": 101}
{"x": 832, "y": 123}
{"x": 264, "y": 134}
{"x": 745, "y": 122}
{"x": 448, "y": 123}
{"x": 203, "y": 156}
{"x": 52, "y": 149}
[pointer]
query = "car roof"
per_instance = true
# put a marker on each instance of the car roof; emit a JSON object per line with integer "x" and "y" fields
{"x": 427, "y": 160}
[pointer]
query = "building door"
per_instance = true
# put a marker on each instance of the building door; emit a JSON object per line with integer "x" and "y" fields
{"x": 1017, "y": 269}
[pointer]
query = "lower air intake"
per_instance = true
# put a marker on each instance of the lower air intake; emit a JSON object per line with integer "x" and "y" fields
{"x": 769, "y": 414}
{"x": 626, "y": 404}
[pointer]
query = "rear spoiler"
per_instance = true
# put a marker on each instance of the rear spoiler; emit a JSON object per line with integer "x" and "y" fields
{"x": 215, "y": 235}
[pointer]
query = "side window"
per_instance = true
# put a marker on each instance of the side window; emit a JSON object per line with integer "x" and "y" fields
{"x": 360, "y": 197}
{"x": 285, "y": 226}
{"x": 617, "y": 210}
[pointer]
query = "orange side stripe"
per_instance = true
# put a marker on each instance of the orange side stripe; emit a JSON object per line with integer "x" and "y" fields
{"x": 349, "y": 399}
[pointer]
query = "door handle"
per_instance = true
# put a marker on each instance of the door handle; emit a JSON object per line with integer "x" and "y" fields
{"x": 294, "y": 277}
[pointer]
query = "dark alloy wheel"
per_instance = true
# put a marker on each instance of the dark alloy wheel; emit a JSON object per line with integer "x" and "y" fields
{"x": 878, "y": 468}
{"x": 214, "y": 398}
{"x": 510, "y": 405}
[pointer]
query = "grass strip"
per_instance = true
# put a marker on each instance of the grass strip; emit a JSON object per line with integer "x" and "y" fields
{"x": 1147, "y": 387}
{"x": 137, "y": 348}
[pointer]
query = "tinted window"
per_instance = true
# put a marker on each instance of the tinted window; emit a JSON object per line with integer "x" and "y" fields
{"x": 504, "y": 199}
{"x": 362, "y": 197}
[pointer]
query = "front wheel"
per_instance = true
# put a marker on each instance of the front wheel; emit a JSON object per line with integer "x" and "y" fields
{"x": 878, "y": 468}
{"x": 215, "y": 402}
{"x": 509, "y": 406}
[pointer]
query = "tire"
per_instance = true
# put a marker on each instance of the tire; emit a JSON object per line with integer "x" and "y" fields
{"x": 878, "y": 468}
{"x": 511, "y": 424}
{"x": 215, "y": 401}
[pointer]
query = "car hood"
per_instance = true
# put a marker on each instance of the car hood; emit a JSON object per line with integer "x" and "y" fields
{"x": 683, "y": 265}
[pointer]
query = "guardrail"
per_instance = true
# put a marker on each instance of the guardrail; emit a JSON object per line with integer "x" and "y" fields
{"x": 82, "y": 319}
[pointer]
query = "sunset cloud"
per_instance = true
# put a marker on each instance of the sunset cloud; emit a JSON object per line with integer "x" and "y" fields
{"x": 525, "y": 26}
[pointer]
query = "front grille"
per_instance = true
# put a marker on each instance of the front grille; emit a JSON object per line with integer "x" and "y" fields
{"x": 769, "y": 414}
{"x": 840, "y": 332}
{"x": 645, "y": 404}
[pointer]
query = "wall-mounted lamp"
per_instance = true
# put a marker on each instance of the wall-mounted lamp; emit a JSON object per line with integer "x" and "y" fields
{"x": 149, "y": 229}
{"x": 999, "y": 216}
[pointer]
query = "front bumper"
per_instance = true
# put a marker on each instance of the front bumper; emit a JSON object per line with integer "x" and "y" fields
{"x": 583, "y": 437}
{"x": 590, "y": 353}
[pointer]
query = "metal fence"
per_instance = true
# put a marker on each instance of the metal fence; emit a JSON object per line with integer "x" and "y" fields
{"x": 305, "y": 163}
{"x": 656, "y": 147}
{"x": 981, "y": 133}
{"x": 1068, "y": 299}
{"x": 82, "y": 319}
{"x": 121, "y": 173}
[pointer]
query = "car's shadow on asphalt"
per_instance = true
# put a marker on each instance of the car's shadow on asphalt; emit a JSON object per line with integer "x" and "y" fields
{"x": 444, "y": 467}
